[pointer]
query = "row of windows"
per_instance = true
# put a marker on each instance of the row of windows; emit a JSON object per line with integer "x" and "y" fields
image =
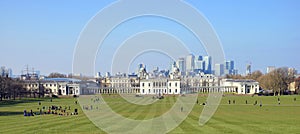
{"x": 160, "y": 84}
{"x": 51, "y": 85}
{"x": 127, "y": 81}
{"x": 36, "y": 85}
{"x": 159, "y": 91}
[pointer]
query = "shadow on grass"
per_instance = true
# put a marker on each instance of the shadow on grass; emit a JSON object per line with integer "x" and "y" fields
{"x": 10, "y": 113}
{"x": 7, "y": 103}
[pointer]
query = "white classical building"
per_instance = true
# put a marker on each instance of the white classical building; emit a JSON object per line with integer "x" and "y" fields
{"x": 160, "y": 86}
{"x": 240, "y": 86}
{"x": 56, "y": 86}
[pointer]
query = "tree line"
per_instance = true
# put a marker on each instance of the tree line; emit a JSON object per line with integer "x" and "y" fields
{"x": 277, "y": 80}
{"x": 14, "y": 88}
{"x": 10, "y": 88}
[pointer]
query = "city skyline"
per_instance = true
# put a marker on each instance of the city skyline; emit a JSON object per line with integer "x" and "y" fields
{"x": 43, "y": 34}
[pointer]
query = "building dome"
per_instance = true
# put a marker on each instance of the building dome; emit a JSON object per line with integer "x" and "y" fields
{"x": 176, "y": 70}
{"x": 142, "y": 69}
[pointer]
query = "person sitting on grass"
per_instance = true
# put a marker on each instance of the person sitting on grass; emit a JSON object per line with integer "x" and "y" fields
{"x": 25, "y": 112}
{"x": 31, "y": 113}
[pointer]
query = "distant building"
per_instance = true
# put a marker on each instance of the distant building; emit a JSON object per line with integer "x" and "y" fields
{"x": 56, "y": 86}
{"x": 190, "y": 64}
{"x": 98, "y": 75}
{"x": 270, "y": 69}
{"x": 292, "y": 71}
{"x": 199, "y": 64}
{"x": 240, "y": 86}
{"x": 5, "y": 72}
{"x": 107, "y": 74}
{"x": 208, "y": 64}
{"x": 248, "y": 69}
{"x": 293, "y": 86}
{"x": 62, "y": 86}
{"x": 229, "y": 67}
{"x": 219, "y": 69}
{"x": 181, "y": 65}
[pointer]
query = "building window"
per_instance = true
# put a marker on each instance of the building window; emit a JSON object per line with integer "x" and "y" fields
{"x": 175, "y": 90}
{"x": 143, "y": 91}
{"x": 149, "y": 91}
{"x": 170, "y": 90}
{"x": 170, "y": 84}
{"x": 143, "y": 84}
{"x": 46, "y": 85}
{"x": 50, "y": 85}
{"x": 176, "y": 84}
{"x": 149, "y": 84}
{"x": 55, "y": 85}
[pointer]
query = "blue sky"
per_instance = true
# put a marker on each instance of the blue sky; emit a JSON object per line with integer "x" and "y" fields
{"x": 43, "y": 34}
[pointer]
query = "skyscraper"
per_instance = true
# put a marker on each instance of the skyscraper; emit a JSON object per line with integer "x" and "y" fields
{"x": 190, "y": 64}
{"x": 229, "y": 67}
{"x": 219, "y": 69}
{"x": 207, "y": 62}
{"x": 248, "y": 69}
{"x": 199, "y": 64}
{"x": 181, "y": 65}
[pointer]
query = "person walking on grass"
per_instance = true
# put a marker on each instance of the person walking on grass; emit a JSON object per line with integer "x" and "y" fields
{"x": 260, "y": 104}
{"x": 255, "y": 103}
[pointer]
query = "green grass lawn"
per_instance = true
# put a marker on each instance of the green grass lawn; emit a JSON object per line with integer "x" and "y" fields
{"x": 229, "y": 118}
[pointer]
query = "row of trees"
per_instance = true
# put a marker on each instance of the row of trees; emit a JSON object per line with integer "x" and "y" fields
{"x": 278, "y": 80}
{"x": 13, "y": 88}
{"x": 10, "y": 88}
{"x": 59, "y": 75}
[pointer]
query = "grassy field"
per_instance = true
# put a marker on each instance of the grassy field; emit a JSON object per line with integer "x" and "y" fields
{"x": 229, "y": 118}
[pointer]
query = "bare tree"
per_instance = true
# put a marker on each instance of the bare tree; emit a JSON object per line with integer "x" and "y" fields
{"x": 276, "y": 80}
{"x": 297, "y": 85}
{"x": 255, "y": 75}
{"x": 57, "y": 75}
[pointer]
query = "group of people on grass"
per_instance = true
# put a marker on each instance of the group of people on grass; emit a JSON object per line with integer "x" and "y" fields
{"x": 260, "y": 104}
{"x": 94, "y": 100}
{"x": 53, "y": 109}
